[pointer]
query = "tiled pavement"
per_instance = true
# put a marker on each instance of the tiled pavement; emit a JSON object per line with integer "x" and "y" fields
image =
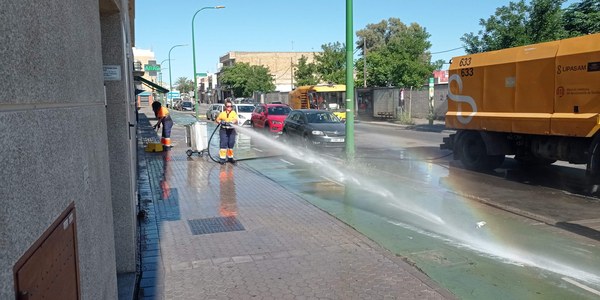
{"x": 225, "y": 232}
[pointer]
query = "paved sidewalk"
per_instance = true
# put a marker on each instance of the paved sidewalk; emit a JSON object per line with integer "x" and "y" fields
{"x": 226, "y": 232}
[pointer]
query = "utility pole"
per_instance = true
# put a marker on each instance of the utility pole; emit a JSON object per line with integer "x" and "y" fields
{"x": 431, "y": 104}
{"x": 292, "y": 73}
{"x": 364, "y": 62}
{"x": 410, "y": 103}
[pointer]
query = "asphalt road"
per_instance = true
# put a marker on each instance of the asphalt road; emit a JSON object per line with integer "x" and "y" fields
{"x": 559, "y": 194}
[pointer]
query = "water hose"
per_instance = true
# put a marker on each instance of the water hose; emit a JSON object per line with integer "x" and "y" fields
{"x": 209, "y": 140}
{"x": 215, "y": 160}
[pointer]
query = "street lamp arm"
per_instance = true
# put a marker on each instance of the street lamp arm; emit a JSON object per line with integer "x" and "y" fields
{"x": 194, "y": 55}
{"x": 162, "y": 63}
{"x": 207, "y": 7}
{"x": 169, "y": 59}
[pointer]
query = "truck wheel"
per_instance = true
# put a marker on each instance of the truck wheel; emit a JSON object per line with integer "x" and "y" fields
{"x": 593, "y": 164}
{"x": 473, "y": 153}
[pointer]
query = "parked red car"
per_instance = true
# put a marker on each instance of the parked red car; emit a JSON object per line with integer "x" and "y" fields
{"x": 270, "y": 117}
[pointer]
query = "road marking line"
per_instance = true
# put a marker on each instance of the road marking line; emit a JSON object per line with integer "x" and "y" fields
{"x": 585, "y": 287}
{"x": 287, "y": 162}
{"x": 257, "y": 149}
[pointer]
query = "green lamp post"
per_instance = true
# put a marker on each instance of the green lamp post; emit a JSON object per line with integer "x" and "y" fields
{"x": 160, "y": 80}
{"x": 349, "y": 82}
{"x": 169, "y": 59}
{"x": 194, "y": 56}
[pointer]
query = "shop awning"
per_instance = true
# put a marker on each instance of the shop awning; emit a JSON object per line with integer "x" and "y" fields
{"x": 151, "y": 84}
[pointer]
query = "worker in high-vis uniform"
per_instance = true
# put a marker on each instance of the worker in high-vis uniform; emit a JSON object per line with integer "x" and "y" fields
{"x": 227, "y": 133}
{"x": 164, "y": 118}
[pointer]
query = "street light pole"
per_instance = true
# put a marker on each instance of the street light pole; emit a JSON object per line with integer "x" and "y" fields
{"x": 161, "y": 68}
{"x": 169, "y": 59}
{"x": 194, "y": 56}
{"x": 349, "y": 82}
{"x": 160, "y": 79}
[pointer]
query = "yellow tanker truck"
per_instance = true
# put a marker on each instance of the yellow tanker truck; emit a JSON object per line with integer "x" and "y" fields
{"x": 540, "y": 103}
{"x": 330, "y": 97}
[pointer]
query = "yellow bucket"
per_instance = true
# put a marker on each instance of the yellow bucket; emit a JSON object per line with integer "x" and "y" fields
{"x": 154, "y": 147}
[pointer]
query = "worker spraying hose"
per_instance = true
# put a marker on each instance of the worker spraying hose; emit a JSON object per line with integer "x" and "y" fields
{"x": 251, "y": 133}
{"x": 227, "y": 133}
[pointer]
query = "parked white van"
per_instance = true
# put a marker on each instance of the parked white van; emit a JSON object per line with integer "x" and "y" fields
{"x": 244, "y": 112}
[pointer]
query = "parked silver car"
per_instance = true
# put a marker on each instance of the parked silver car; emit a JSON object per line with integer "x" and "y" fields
{"x": 177, "y": 105}
{"x": 187, "y": 105}
{"x": 214, "y": 110}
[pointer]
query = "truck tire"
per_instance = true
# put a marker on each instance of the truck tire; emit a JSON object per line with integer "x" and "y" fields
{"x": 593, "y": 164}
{"x": 473, "y": 153}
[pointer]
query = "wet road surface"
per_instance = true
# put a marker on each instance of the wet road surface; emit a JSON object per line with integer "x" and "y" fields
{"x": 470, "y": 248}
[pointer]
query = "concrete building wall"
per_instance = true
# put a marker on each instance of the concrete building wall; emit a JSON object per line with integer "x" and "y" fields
{"x": 280, "y": 64}
{"x": 420, "y": 102}
{"x": 282, "y": 97}
{"x": 207, "y": 88}
{"x": 121, "y": 142}
{"x": 416, "y": 101}
{"x": 58, "y": 147}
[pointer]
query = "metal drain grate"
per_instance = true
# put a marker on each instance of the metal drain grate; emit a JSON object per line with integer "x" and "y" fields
{"x": 215, "y": 225}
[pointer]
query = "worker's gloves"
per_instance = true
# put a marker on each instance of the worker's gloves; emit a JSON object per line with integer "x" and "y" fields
{"x": 223, "y": 123}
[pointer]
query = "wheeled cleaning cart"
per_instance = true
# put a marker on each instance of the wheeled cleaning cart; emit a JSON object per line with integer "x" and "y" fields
{"x": 196, "y": 137}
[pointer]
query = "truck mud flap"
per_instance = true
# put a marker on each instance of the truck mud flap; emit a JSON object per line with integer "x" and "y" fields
{"x": 448, "y": 143}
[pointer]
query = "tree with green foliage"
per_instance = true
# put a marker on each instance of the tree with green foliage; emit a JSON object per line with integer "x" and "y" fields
{"x": 244, "y": 79}
{"x": 396, "y": 54}
{"x": 304, "y": 72}
{"x": 374, "y": 36}
{"x": 546, "y": 21}
{"x": 518, "y": 24}
{"x": 582, "y": 18}
{"x": 330, "y": 64}
{"x": 184, "y": 85}
{"x": 379, "y": 70}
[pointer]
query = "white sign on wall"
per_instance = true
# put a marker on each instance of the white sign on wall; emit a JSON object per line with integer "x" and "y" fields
{"x": 112, "y": 72}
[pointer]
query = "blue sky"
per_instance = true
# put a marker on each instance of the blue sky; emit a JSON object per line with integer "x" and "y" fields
{"x": 280, "y": 25}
